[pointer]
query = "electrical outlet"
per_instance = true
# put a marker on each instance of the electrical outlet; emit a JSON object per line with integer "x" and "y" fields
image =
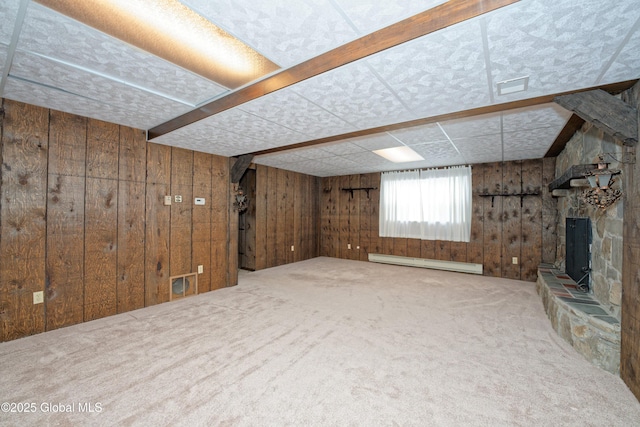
{"x": 38, "y": 297}
{"x": 199, "y": 201}
{"x": 357, "y": 247}
{"x": 514, "y": 260}
{"x": 167, "y": 200}
{"x": 200, "y": 269}
{"x": 292, "y": 248}
{"x": 177, "y": 199}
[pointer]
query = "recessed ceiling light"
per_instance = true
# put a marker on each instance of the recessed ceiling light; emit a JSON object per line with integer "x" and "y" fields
{"x": 519, "y": 84}
{"x": 172, "y": 31}
{"x": 400, "y": 154}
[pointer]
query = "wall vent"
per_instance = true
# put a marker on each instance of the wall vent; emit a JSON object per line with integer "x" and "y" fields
{"x": 183, "y": 286}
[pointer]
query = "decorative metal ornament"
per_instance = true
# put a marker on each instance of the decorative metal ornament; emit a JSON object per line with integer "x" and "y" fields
{"x": 242, "y": 202}
{"x": 601, "y": 197}
{"x": 601, "y": 194}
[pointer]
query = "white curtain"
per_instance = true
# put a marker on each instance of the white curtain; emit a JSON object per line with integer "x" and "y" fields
{"x": 432, "y": 204}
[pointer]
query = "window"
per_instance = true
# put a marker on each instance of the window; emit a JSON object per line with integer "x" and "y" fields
{"x": 432, "y": 204}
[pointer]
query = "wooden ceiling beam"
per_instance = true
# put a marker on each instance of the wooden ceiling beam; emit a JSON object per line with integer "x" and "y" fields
{"x": 240, "y": 167}
{"x": 427, "y": 22}
{"x": 496, "y": 108}
{"x": 606, "y": 112}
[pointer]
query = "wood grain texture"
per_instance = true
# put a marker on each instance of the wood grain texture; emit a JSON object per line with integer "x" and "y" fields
{"x": 181, "y": 226}
{"x": 458, "y": 251}
{"x": 365, "y": 218}
{"x": 101, "y": 247}
{"x": 220, "y": 207}
{"x": 272, "y": 217}
{"x": 289, "y": 214}
{"x": 201, "y": 220}
{"x": 344, "y": 210}
{"x": 428, "y": 249}
{"x": 414, "y": 248}
{"x": 531, "y": 233}
{"x": 133, "y": 154}
{"x": 261, "y": 216}
{"x": 157, "y": 220}
{"x": 608, "y": 113}
{"x": 232, "y": 236}
{"x": 511, "y": 220}
{"x": 442, "y": 250}
{"x": 67, "y": 144}
{"x": 299, "y": 217}
{"x": 131, "y": 274}
{"x": 249, "y": 188}
{"x": 630, "y": 319}
{"x": 492, "y": 231}
{"x": 475, "y": 247}
{"x": 103, "y": 149}
{"x": 158, "y": 164}
{"x": 354, "y": 218}
{"x": 64, "y": 294}
{"x": 23, "y": 192}
{"x": 281, "y": 218}
{"x": 374, "y": 240}
{"x": 331, "y": 186}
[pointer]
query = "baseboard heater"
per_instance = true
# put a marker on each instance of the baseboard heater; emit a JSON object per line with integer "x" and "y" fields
{"x": 461, "y": 267}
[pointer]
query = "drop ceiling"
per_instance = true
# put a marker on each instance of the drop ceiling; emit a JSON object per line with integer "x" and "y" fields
{"x": 437, "y": 93}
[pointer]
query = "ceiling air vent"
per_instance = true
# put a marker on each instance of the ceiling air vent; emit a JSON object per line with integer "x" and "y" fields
{"x": 519, "y": 84}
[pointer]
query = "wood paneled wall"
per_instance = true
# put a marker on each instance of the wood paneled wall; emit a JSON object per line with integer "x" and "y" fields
{"x": 502, "y": 227}
{"x": 630, "y": 331}
{"x": 286, "y": 215}
{"x": 82, "y": 218}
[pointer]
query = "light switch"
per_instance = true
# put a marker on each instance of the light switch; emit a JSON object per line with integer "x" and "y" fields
{"x": 199, "y": 201}
{"x": 167, "y": 200}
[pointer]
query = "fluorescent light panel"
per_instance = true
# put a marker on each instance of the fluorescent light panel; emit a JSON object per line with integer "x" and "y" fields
{"x": 172, "y": 31}
{"x": 400, "y": 154}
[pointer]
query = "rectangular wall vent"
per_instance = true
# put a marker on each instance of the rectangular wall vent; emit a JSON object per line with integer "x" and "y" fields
{"x": 460, "y": 267}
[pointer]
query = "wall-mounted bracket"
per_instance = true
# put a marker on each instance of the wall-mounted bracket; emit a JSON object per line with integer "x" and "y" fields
{"x": 367, "y": 189}
{"x": 521, "y": 195}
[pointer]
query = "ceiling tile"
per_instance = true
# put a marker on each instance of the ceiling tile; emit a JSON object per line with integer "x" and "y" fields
{"x": 419, "y": 134}
{"x": 539, "y": 139}
{"x": 378, "y": 141}
{"x": 3, "y": 57}
{"x": 266, "y": 133}
{"x": 286, "y": 31}
{"x": 368, "y": 16}
{"x": 342, "y": 148}
{"x": 558, "y": 44}
{"x": 485, "y": 124}
{"x": 44, "y": 96}
{"x": 148, "y": 109}
{"x": 8, "y": 13}
{"x": 50, "y": 34}
{"x": 290, "y": 110}
{"x": 546, "y": 115}
{"x": 480, "y": 144}
{"x": 355, "y": 94}
{"x": 626, "y": 62}
{"x": 438, "y": 73}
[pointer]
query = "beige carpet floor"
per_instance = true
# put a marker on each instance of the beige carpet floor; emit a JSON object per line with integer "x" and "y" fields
{"x": 321, "y": 342}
